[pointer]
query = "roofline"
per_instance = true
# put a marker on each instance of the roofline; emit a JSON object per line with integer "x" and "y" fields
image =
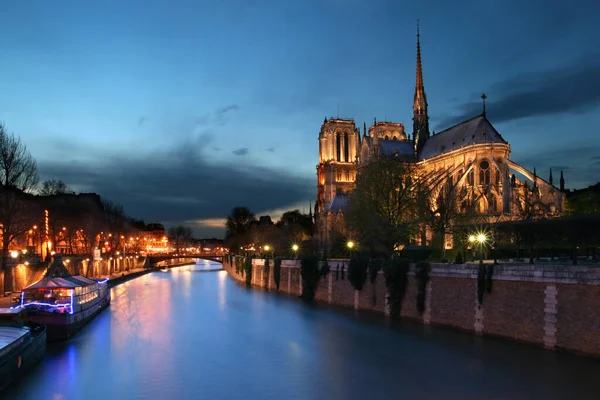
{"x": 476, "y": 145}
{"x": 470, "y": 119}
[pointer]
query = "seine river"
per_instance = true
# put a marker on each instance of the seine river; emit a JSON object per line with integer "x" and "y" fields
{"x": 192, "y": 333}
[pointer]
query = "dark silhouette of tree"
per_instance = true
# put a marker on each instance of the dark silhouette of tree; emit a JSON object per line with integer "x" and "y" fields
{"x": 18, "y": 175}
{"x": 382, "y": 209}
{"x": 239, "y": 222}
{"x": 181, "y": 235}
{"x": 584, "y": 201}
{"x": 116, "y": 224}
{"x": 51, "y": 187}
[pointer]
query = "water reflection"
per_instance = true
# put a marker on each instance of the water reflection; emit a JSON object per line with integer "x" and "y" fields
{"x": 192, "y": 334}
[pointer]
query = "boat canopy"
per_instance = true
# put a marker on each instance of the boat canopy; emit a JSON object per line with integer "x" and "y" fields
{"x": 65, "y": 282}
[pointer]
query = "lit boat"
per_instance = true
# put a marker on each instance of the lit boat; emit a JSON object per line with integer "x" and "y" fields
{"x": 64, "y": 303}
{"x": 165, "y": 269}
{"x": 22, "y": 346}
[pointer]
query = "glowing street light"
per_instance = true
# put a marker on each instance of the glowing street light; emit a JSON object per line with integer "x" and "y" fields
{"x": 481, "y": 238}
{"x": 295, "y": 247}
{"x": 472, "y": 238}
{"x": 350, "y": 244}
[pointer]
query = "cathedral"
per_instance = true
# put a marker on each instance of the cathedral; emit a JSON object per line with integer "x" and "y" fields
{"x": 472, "y": 155}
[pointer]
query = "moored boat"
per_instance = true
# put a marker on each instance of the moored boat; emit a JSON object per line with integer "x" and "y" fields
{"x": 63, "y": 302}
{"x": 22, "y": 346}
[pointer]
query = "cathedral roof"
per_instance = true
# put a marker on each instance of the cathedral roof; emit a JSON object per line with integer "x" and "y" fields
{"x": 403, "y": 149}
{"x": 477, "y": 130}
{"x": 338, "y": 203}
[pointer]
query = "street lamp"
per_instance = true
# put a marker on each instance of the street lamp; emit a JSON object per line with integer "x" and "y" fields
{"x": 350, "y": 244}
{"x": 295, "y": 248}
{"x": 479, "y": 240}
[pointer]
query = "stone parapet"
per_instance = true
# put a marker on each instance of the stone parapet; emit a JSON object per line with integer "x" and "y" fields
{"x": 551, "y": 306}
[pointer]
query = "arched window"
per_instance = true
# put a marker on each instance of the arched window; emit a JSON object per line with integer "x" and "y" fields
{"x": 494, "y": 204}
{"x": 484, "y": 173}
{"x": 338, "y": 144}
{"x": 346, "y": 148}
{"x": 471, "y": 178}
{"x": 498, "y": 180}
{"x": 338, "y": 176}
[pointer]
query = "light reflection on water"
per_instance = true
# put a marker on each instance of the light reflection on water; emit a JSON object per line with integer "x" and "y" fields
{"x": 192, "y": 334}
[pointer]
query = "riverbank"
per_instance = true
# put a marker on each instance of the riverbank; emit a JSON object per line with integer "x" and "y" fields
{"x": 551, "y": 306}
{"x": 114, "y": 279}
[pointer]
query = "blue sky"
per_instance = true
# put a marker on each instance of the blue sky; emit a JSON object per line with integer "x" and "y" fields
{"x": 180, "y": 110}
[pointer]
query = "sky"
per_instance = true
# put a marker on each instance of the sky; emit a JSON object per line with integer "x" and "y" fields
{"x": 182, "y": 110}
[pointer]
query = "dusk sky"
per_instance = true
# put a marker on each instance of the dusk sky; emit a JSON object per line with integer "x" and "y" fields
{"x": 181, "y": 110}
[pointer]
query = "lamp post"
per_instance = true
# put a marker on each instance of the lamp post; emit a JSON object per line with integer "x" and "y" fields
{"x": 479, "y": 240}
{"x": 295, "y": 249}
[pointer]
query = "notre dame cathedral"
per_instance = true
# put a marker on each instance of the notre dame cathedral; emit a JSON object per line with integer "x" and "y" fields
{"x": 473, "y": 154}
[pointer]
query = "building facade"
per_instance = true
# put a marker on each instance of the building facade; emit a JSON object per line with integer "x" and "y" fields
{"x": 472, "y": 155}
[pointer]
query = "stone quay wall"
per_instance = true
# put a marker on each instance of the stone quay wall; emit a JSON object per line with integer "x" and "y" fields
{"x": 554, "y": 306}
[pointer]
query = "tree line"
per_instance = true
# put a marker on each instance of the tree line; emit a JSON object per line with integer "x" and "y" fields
{"x": 289, "y": 236}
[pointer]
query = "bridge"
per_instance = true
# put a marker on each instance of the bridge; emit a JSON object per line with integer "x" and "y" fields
{"x": 152, "y": 260}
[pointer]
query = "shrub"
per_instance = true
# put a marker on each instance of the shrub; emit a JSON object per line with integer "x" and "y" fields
{"x": 480, "y": 282}
{"x": 458, "y": 259}
{"x": 395, "y": 272}
{"x": 422, "y": 277}
{"x": 311, "y": 273}
{"x": 248, "y": 270}
{"x": 374, "y": 268}
{"x": 277, "y": 272}
{"x": 267, "y": 272}
{"x": 357, "y": 271}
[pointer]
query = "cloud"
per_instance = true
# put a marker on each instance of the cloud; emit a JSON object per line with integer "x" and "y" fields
{"x": 271, "y": 149}
{"x": 181, "y": 185}
{"x": 142, "y": 120}
{"x": 567, "y": 90}
{"x": 241, "y": 152}
{"x": 219, "y": 117}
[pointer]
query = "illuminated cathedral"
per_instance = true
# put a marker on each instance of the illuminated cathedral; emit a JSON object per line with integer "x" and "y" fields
{"x": 472, "y": 154}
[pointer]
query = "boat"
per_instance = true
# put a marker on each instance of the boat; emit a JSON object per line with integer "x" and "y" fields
{"x": 165, "y": 269}
{"x": 22, "y": 345}
{"x": 64, "y": 302}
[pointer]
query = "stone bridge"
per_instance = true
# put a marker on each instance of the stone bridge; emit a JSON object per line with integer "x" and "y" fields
{"x": 154, "y": 259}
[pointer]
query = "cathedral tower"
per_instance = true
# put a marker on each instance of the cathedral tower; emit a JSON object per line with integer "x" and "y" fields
{"x": 420, "y": 117}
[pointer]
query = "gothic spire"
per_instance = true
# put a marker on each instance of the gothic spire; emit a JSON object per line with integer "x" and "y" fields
{"x": 550, "y": 179}
{"x": 562, "y": 181}
{"x": 420, "y": 117}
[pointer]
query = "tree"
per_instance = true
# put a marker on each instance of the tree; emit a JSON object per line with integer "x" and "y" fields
{"x": 239, "y": 221}
{"x": 584, "y": 201}
{"x": 116, "y": 222}
{"x": 181, "y": 235}
{"x": 382, "y": 207}
{"x": 18, "y": 176}
{"x": 439, "y": 202}
{"x": 53, "y": 187}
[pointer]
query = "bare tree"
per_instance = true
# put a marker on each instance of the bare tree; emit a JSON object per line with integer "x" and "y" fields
{"x": 18, "y": 175}
{"x": 181, "y": 235}
{"x": 52, "y": 187}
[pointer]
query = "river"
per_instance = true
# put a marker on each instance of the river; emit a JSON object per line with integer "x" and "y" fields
{"x": 192, "y": 333}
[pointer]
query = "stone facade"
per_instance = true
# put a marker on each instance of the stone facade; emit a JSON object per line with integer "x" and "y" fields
{"x": 550, "y": 306}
